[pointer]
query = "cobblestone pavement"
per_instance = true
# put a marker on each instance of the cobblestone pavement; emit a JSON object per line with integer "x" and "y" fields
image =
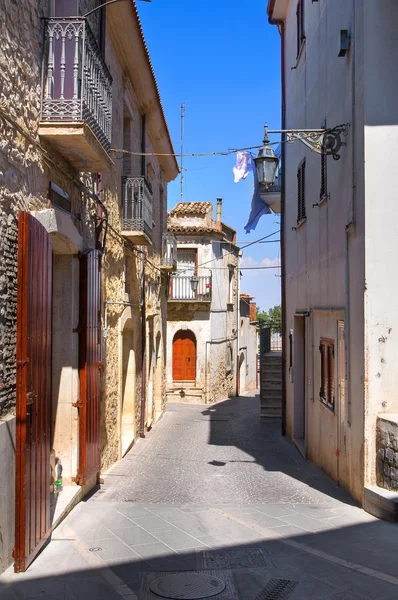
{"x": 214, "y": 492}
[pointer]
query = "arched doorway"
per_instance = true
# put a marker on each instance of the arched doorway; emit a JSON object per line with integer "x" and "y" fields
{"x": 184, "y": 356}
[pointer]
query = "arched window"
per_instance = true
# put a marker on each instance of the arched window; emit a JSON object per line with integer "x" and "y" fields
{"x": 184, "y": 356}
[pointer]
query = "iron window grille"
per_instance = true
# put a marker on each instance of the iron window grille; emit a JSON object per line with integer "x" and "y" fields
{"x": 327, "y": 390}
{"x": 301, "y": 209}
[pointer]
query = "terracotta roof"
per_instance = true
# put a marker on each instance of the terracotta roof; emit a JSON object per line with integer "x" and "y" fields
{"x": 246, "y": 296}
{"x": 191, "y": 208}
{"x": 193, "y": 229}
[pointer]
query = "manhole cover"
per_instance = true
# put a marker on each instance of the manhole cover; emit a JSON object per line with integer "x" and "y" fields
{"x": 187, "y": 586}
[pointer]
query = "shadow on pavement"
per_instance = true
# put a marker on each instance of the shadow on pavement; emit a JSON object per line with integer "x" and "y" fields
{"x": 347, "y": 563}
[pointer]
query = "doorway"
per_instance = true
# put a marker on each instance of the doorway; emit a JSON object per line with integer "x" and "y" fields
{"x": 184, "y": 356}
{"x": 300, "y": 370}
{"x": 128, "y": 387}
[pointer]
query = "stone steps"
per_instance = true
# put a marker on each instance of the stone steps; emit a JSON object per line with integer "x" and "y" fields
{"x": 271, "y": 387}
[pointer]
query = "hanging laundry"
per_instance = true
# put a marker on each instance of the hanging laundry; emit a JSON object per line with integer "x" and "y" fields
{"x": 259, "y": 208}
{"x": 244, "y": 164}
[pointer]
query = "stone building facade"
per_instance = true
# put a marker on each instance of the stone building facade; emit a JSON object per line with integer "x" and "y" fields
{"x": 59, "y": 166}
{"x": 203, "y": 335}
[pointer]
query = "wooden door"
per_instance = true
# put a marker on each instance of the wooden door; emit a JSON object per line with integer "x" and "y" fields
{"x": 89, "y": 366}
{"x": 33, "y": 402}
{"x": 184, "y": 356}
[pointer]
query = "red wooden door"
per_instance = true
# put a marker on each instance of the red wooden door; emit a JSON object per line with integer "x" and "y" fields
{"x": 33, "y": 410}
{"x": 184, "y": 356}
{"x": 89, "y": 366}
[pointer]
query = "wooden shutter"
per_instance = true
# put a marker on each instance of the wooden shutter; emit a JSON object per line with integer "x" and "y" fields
{"x": 327, "y": 389}
{"x": 33, "y": 409}
{"x": 89, "y": 366}
{"x": 301, "y": 210}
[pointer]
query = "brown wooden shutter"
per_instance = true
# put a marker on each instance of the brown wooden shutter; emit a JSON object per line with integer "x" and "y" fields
{"x": 33, "y": 409}
{"x": 301, "y": 211}
{"x": 89, "y": 366}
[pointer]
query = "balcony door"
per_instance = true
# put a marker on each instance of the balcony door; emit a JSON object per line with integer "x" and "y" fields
{"x": 187, "y": 265}
{"x": 184, "y": 356}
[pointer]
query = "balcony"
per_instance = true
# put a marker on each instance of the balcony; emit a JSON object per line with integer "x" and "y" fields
{"x": 181, "y": 288}
{"x": 272, "y": 196}
{"x": 76, "y": 110}
{"x": 137, "y": 211}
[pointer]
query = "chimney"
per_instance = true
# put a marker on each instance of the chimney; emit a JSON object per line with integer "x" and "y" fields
{"x": 219, "y": 210}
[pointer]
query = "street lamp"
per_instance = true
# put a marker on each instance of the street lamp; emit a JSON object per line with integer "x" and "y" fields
{"x": 322, "y": 141}
{"x": 194, "y": 281}
{"x": 266, "y": 162}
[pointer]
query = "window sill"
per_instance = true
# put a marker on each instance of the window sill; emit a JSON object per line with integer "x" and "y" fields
{"x": 299, "y": 55}
{"x": 324, "y": 199}
{"x": 301, "y": 223}
{"x": 328, "y": 408}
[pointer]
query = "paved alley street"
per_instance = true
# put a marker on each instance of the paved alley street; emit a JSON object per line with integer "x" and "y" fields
{"x": 226, "y": 504}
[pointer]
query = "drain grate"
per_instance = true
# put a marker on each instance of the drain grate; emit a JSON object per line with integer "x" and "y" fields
{"x": 277, "y": 589}
{"x": 187, "y": 586}
{"x": 233, "y": 559}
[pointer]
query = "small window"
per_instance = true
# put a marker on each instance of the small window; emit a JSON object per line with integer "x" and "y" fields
{"x": 300, "y": 25}
{"x": 326, "y": 392}
{"x": 230, "y": 285}
{"x": 301, "y": 212}
{"x": 59, "y": 198}
{"x": 324, "y": 173}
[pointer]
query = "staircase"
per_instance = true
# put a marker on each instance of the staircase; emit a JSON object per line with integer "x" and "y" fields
{"x": 271, "y": 386}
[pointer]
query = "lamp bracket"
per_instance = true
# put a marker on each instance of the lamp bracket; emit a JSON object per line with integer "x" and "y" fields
{"x": 321, "y": 141}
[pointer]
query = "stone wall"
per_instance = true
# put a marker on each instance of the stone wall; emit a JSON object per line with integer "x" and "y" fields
{"x": 387, "y": 451}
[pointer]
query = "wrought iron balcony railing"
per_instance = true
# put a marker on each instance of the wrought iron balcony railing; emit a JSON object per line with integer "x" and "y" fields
{"x": 137, "y": 206}
{"x": 77, "y": 85}
{"x": 181, "y": 288}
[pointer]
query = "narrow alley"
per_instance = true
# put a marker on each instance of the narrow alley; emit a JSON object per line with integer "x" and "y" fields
{"x": 214, "y": 503}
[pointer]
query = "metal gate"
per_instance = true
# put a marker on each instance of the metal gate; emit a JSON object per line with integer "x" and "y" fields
{"x": 33, "y": 402}
{"x": 89, "y": 366}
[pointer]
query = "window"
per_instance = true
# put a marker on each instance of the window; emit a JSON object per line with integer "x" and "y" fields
{"x": 326, "y": 392}
{"x": 324, "y": 173}
{"x": 230, "y": 285}
{"x": 300, "y": 25}
{"x": 301, "y": 214}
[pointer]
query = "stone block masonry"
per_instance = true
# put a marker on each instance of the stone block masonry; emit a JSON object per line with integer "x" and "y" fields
{"x": 387, "y": 451}
{"x": 8, "y": 310}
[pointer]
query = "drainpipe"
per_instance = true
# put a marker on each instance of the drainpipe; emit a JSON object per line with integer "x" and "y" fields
{"x": 281, "y": 26}
{"x": 143, "y": 349}
{"x": 238, "y": 319}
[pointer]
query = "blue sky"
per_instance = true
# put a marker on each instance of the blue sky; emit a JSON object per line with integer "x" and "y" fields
{"x": 223, "y": 60}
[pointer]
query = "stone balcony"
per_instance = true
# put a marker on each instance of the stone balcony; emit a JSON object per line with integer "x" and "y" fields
{"x": 76, "y": 110}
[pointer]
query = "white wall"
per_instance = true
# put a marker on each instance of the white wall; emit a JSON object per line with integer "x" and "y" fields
{"x": 381, "y": 138}
{"x": 320, "y": 86}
